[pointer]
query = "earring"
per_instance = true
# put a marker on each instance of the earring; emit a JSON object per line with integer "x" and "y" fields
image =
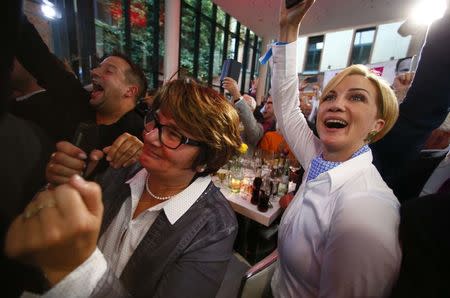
{"x": 201, "y": 169}
{"x": 370, "y": 136}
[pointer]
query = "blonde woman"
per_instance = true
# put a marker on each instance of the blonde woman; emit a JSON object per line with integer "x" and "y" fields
{"x": 338, "y": 237}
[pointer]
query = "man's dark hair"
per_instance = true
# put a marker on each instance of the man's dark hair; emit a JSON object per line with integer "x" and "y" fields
{"x": 134, "y": 75}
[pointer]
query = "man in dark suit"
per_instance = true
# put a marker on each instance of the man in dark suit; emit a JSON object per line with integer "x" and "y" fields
{"x": 28, "y": 98}
{"x": 425, "y": 269}
{"x": 426, "y": 174}
{"x": 423, "y": 110}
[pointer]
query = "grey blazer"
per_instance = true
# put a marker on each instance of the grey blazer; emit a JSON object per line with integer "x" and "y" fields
{"x": 187, "y": 259}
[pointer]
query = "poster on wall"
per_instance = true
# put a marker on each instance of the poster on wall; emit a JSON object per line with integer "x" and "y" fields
{"x": 384, "y": 69}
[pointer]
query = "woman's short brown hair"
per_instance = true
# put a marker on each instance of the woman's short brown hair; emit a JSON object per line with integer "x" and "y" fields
{"x": 207, "y": 116}
{"x": 387, "y": 104}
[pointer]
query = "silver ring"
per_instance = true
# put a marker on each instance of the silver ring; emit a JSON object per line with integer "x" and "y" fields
{"x": 30, "y": 212}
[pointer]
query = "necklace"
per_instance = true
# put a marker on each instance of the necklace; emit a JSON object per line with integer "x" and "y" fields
{"x": 153, "y": 195}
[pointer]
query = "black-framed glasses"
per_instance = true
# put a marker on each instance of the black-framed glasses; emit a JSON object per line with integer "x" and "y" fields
{"x": 168, "y": 136}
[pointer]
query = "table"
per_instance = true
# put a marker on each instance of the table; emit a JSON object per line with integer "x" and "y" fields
{"x": 241, "y": 204}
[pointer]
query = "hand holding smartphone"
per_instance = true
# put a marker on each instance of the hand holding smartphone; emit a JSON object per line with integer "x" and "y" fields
{"x": 231, "y": 68}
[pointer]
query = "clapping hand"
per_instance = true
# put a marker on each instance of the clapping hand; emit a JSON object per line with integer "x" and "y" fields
{"x": 125, "y": 151}
{"x": 69, "y": 160}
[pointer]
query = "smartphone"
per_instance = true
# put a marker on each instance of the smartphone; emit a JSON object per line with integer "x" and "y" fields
{"x": 86, "y": 136}
{"x": 231, "y": 68}
{"x": 291, "y": 3}
{"x": 311, "y": 80}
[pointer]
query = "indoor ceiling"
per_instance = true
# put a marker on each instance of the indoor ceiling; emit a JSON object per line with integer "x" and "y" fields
{"x": 261, "y": 16}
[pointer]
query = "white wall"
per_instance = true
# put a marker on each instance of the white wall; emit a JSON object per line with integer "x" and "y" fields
{"x": 337, "y": 46}
{"x": 389, "y": 44}
{"x": 301, "y": 50}
{"x": 336, "y": 50}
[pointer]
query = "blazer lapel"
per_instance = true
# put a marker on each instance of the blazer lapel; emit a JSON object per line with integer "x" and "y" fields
{"x": 111, "y": 206}
{"x": 145, "y": 260}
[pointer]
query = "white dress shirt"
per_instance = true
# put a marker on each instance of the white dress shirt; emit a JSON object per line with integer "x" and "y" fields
{"x": 123, "y": 235}
{"x": 438, "y": 177}
{"x": 339, "y": 236}
{"x": 26, "y": 96}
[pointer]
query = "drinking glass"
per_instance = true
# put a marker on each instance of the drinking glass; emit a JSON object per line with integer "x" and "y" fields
{"x": 236, "y": 176}
{"x": 222, "y": 174}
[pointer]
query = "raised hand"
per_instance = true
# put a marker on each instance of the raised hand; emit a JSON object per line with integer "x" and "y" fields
{"x": 232, "y": 87}
{"x": 69, "y": 160}
{"x": 402, "y": 83}
{"x": 58, "y": 230}
{"x": 290, "y": 19}
{"x": 125, "y": 151}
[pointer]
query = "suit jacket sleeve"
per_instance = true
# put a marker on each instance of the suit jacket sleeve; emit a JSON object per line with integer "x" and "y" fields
{"x": 70, "y": 101}
{"x": 423, "y": 110}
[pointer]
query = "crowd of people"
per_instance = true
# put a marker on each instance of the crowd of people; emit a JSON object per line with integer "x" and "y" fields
{"x": 132, "y": 211}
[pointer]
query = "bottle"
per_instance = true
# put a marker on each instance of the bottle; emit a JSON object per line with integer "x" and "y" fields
{"x": 257, "y": 182}
{"x": 283, "y": 186}
{"x": 264, "y": 195}
{"x": 275, "y": 177}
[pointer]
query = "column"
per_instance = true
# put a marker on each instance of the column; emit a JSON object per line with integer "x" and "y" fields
{"x": 261, "y": 89}
{"x": 171, "y": 38}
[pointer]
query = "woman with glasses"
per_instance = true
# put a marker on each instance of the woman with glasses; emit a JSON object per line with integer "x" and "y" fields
{"x": 166, "y": 231}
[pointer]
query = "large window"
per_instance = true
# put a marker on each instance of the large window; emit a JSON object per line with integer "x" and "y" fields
{"x": 187, "y": 40}
{"x": 109, "y": 27}
{"x": 205, "y": 43}
{"x": 135, "y": 28}
{"x": 362, "y": 46}
{"x": 313, "y": 54}
{"x": 209, "y": 35}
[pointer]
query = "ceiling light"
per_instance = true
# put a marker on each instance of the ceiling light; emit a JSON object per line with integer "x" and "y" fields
{"x": 49, "y": 10}
{"x": 427, "y": 11}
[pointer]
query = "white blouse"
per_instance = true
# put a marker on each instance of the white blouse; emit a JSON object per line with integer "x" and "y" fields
{"x": 339, "y": 236}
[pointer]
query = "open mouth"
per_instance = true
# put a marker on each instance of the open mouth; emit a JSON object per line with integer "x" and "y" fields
{"x": 335, "y": 123}
{"x": 96, "y": 89}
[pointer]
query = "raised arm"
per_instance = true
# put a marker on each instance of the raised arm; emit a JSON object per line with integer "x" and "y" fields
{"x": 252, "y": 129}
{"x": 290, "y": 20}
{"x": 290, "y": 119}
{"x": 68, "y": 101}
{"x": 35, "y": 56}
{"x": 424, "y": 108}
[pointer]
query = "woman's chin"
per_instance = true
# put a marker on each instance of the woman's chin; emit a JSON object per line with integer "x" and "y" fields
{"x": 149, "y": 162}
